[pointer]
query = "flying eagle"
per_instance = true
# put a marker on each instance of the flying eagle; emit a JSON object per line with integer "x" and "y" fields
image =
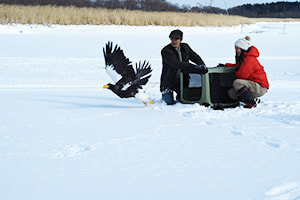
{"x": 127, "y": 81}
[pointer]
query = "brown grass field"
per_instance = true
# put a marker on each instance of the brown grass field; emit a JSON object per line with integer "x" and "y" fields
{"x": 48, "y": 15}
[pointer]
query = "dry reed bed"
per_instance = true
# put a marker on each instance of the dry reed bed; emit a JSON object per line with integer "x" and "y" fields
{"x": 77, "y": 16}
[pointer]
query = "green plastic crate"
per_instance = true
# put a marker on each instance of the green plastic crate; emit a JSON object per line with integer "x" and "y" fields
{"x": 208, "y": 89}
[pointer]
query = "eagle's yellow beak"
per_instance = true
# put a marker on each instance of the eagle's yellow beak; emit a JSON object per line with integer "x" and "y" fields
{"x": 105, "y": 86}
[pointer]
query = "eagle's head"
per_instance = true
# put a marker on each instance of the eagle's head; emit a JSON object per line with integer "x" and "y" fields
{"x": 107, "y": 86}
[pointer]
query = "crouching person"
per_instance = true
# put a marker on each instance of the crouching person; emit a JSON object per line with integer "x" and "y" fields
{"x": 175, "y": 59}
{"x": 251, "y": 79}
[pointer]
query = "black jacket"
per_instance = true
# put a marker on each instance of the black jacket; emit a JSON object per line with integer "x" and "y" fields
{"x": 171, "y": 64}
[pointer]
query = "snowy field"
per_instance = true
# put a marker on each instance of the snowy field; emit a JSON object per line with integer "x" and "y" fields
{"x": 64, "y": 137}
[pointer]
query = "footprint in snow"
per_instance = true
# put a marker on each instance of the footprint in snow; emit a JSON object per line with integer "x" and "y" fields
{"x": 236, "y": 132}
{"x": 272, "y": 143}
{"x": 286, "y": 191}
{"x": 73, "y": 150}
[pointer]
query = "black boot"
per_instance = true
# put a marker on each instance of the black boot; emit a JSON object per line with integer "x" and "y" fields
{"x": 246, "y": 97}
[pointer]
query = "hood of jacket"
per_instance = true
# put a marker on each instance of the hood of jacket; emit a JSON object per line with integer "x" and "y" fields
{"x": 252, "y": 52}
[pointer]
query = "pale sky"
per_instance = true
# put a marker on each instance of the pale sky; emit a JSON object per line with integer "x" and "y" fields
{"x": 222, "y": 3}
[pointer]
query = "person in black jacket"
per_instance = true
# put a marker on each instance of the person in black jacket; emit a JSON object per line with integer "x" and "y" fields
{"x": 175, "y": 59}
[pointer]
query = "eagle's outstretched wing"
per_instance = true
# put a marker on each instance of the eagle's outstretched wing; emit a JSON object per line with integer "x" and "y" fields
{"x": 116, "y": 64}
{"x": 143, "y": 71}
{"x": 142, "y": 76}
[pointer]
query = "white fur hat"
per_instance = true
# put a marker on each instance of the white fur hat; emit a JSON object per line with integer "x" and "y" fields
{"x": 243, "y": 43}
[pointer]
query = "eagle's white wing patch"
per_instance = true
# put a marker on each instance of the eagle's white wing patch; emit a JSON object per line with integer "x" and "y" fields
{"x": 125, "y": 87}
{"x": 112, "y": 73}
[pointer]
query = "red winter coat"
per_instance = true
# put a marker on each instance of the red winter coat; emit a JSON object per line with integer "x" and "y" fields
{"x": 251, "y": 69}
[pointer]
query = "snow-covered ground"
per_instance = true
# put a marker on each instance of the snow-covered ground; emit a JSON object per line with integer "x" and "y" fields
{"x": 64, "y": 137}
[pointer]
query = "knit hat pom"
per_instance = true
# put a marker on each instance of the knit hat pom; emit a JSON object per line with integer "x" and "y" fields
{"x": 243, "y": 43}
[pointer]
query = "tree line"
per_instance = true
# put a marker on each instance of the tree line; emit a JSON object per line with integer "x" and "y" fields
{"x": 272, "y": 10}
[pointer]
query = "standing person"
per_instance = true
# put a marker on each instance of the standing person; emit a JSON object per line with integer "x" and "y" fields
{"x": 175, "y": 59}
{"x": 251, "y": 79}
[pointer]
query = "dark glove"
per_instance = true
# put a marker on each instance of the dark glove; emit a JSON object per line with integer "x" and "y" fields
{"x": 201, "y": 69}
{"x": 220, "y": 65}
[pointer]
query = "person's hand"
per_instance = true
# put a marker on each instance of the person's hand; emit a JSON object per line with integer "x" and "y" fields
{"x": 220, "y": 65}
{"x": 202, "y": 69}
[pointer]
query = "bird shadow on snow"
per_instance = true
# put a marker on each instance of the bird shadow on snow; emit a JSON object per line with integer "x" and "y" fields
{"x": 71, "y": 102}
